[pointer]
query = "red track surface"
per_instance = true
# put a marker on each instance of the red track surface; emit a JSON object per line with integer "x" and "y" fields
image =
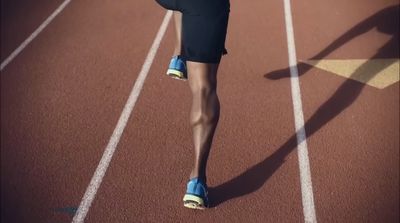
{"x": 62, "y": 96}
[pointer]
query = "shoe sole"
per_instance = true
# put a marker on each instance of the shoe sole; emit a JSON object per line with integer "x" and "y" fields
{"x": 193, "y": 202}
{"x": 176, "y": 74}
{"x": 193, "y": 205}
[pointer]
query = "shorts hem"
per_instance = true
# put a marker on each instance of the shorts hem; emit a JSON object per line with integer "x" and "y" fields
{"x": 202, "y": 60}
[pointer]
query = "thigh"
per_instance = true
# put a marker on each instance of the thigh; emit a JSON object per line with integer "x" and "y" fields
{"x": 202, "y": 76}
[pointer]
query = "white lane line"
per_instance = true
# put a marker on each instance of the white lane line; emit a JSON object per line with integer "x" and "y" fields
{"x": 302, "y": 151}
{"x": 112, "y": 144}
{"x": 33, "y": 35}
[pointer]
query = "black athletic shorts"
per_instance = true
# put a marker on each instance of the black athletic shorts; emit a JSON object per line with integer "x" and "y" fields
{"x": 204, "y": 26}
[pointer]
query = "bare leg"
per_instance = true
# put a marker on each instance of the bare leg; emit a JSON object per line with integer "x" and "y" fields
{"x": 204, "y": 113}
{"x": 178, "y": 31}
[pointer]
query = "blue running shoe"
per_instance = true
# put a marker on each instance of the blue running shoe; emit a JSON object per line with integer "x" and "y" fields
{"x": 177, "y": 68}
{"x": 196, "y": 195}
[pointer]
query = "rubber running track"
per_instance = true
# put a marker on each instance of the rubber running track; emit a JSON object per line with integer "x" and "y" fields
{"x": 62, "y": 96}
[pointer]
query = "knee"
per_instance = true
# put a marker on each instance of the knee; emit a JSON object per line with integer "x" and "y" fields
{"x": 205, "y": 90}
{"x": 207, "y": 109}
{"x": 205, "y": 104}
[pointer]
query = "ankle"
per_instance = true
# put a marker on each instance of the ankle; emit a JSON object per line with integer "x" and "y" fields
{"x": 177, "y": 52}
{"x": 199, "y": 176}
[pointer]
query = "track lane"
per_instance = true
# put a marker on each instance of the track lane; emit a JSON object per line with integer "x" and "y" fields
{"x": 147, "y": 178}
{"x": 60, "y": 100}
{"x": 353, "y": 135}
{"x": 19, "y": 18}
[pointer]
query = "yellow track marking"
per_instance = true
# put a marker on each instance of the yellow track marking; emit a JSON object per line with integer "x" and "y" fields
{"x": 378, "y": 73}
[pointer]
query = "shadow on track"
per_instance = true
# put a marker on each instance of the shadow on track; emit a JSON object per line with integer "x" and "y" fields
{"x": 385, "y": 21}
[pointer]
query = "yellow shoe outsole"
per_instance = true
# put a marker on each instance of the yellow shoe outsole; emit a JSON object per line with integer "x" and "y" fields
{"x": 176, "y": 74}
{"x": 193, "y": 202}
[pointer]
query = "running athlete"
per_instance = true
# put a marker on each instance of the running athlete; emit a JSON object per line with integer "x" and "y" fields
{"x": 201, "y": 27}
